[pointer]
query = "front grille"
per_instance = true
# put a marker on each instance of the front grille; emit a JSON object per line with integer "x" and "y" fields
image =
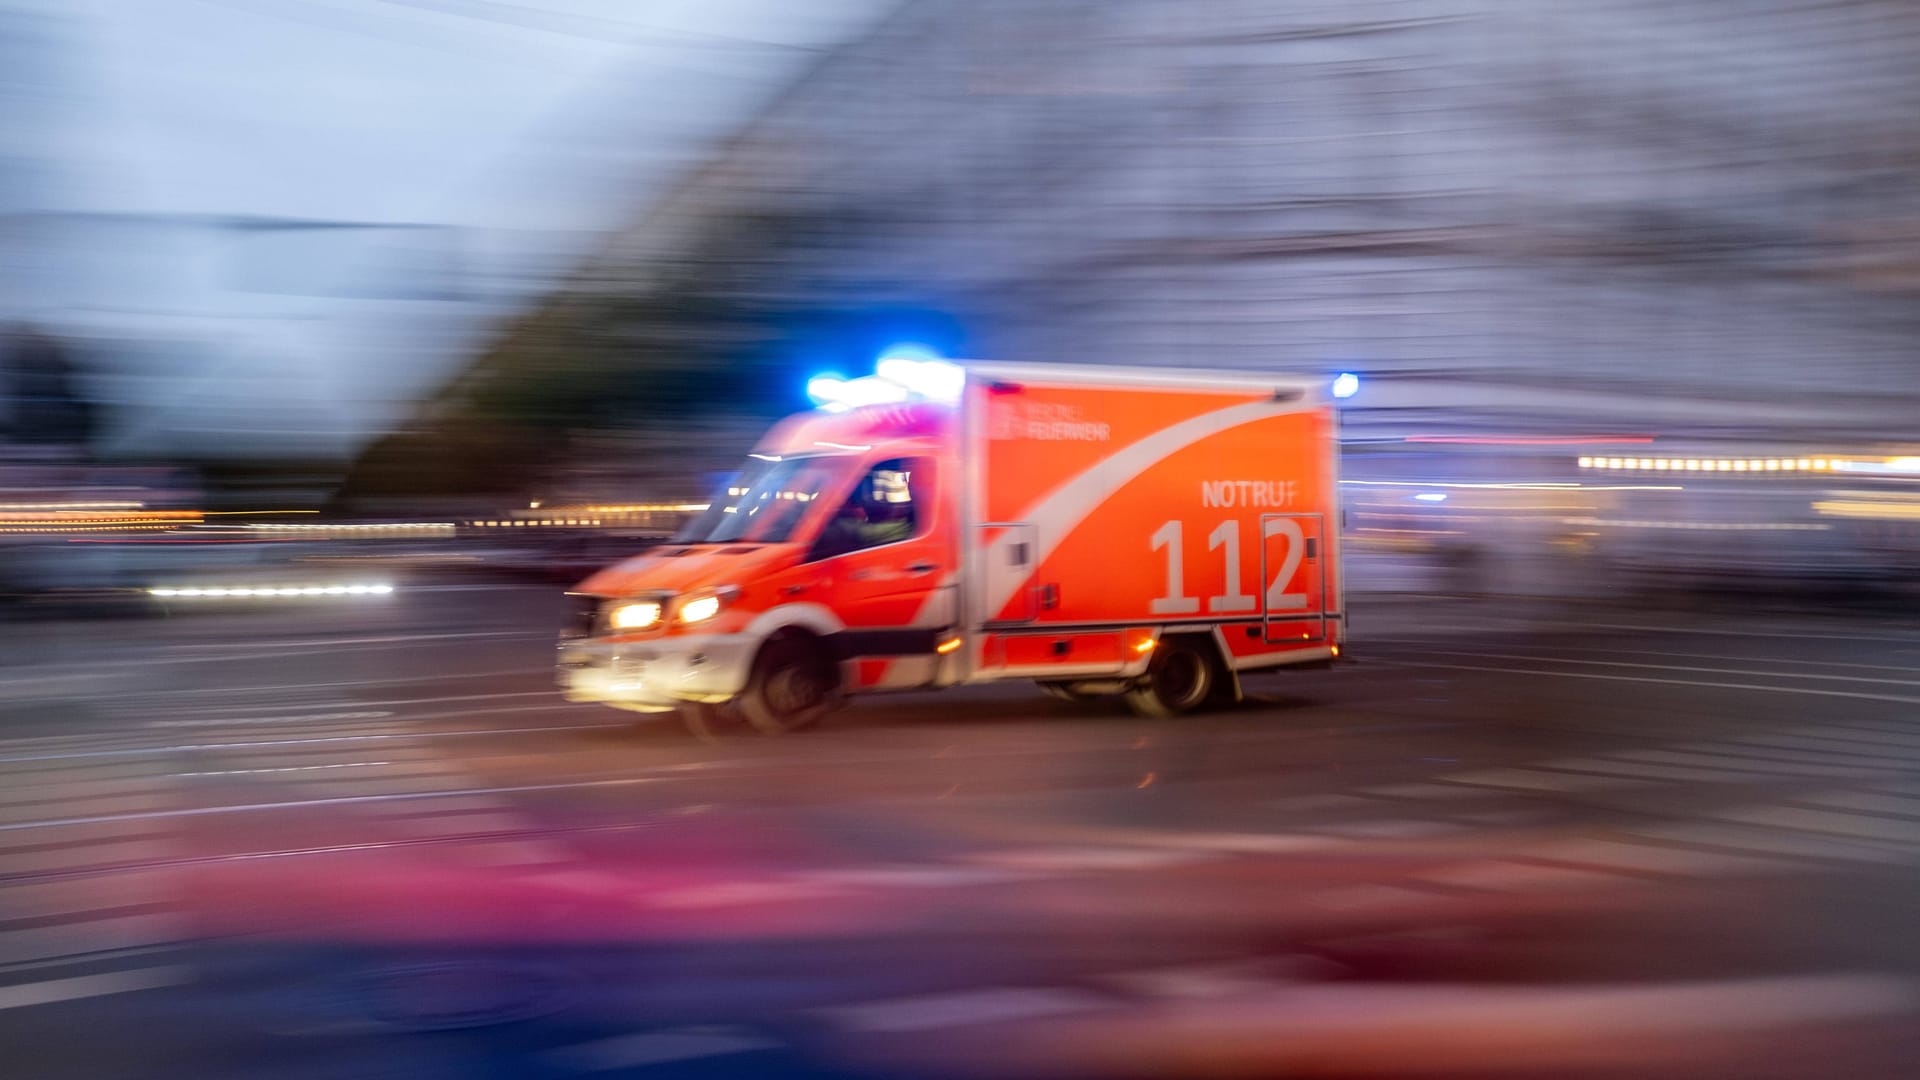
{"x": 583, "y": 617}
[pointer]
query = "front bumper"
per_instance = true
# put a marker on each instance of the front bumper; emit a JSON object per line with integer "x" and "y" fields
{"x": 657, "y": 675}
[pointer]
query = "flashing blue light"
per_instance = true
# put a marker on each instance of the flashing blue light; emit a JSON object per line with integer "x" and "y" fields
{"x": 904, "y": 373}
{"x": 909, "y": 350}
{"x": 933, "y": 380}
{"x": 1432, "y": 496}
{"x": 1346, "y": 384}
{"x": 825, "y": 389}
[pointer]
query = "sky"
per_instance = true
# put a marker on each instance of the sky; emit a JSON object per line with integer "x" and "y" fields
{"x": 531, "y": 125}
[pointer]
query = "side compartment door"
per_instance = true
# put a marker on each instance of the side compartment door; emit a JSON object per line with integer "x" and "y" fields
{"x": 1011, "y": 553}
{"x": 1293, "y": 566}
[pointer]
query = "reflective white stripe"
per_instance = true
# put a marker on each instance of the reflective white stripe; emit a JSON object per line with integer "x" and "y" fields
{"x": 818, "y": 618}
{"x": 1061, "y": 510}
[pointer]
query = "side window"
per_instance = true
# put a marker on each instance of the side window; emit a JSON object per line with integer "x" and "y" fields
{"x": 890, "y": 503}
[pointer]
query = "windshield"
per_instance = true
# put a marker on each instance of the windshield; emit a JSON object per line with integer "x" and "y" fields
{"x": 765, "y": 503}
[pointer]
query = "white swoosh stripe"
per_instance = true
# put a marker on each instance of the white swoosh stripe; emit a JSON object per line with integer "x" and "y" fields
{"x": 1060, "y": 511}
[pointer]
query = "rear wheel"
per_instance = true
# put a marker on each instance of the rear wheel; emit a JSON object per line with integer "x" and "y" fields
{"x": 794, "y": 683}
{"x": 1181, "y": 677}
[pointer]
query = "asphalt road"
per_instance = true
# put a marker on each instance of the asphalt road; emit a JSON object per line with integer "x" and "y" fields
{"x": 363, "y": 838}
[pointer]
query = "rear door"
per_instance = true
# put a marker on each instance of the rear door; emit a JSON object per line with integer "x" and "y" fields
{"x": 1294, "y": 569}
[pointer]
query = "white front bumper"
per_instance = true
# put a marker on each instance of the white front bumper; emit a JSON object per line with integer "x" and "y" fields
{"x": 655, "y": 675}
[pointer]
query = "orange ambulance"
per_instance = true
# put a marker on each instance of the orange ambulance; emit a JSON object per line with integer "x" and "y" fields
{"x": 1151, "y": 533}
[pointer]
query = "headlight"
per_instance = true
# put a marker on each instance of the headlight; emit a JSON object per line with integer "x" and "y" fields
{"x": 706, "y": 605}
{"x": 633, "y": 615}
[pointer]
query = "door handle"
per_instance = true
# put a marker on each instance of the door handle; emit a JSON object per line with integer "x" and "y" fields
{"x": 793, "y": 590}
{"x": 919, "y": 569}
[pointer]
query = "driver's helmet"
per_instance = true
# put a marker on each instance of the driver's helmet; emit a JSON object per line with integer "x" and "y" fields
{"x": 889, "y": 496}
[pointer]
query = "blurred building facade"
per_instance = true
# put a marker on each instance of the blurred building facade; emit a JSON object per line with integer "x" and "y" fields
{"x": 1610, "y": 211}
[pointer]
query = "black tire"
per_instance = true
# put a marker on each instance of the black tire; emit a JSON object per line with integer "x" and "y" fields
{"x": 711, "y": 723}
{"x": 794, "y": 683}
{"x": 1180, "y": 679}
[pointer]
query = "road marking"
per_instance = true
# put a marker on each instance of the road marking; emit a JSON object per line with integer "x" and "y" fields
{"x": 1769, "y": 841}
{"x": 1832, "y": 822}
{"x": 1798, "y": 635}
{"x": 80, "y": 987}
{"x": 1390, "y": 830}
{"x": 1703, "y": 684}
{"x": 463, "y": 825}
{"x": 454, "y": 805}
{"x": 1859, "y": 735}
{"x": 291, "y": 718}
{"x": 341, "y": 800}
{"x": 69, "y": 790}
{"x": 82, "y": 836}
{"x": 659, "y": 1048}
{"x": 1535, "y": 780}
{"x": 291, "y": 769}
{"x": 86, "y": 856}
{"x": 96, "y": 935}
{"x": 266, "y": 688}
{"x": 1888, "y": 756}
{"x": 1310, "y": 803}
{"x": 1501, "y": 875}
{"x": 28, "y": 773}
{"x": 389, "y": 639}
{"x": 271, "y": 652}
{"x": 916, "y": 877}
{"x": 1753, "y": 749}
{"x": 1547, "y": 654}
{"x": 60, "y": 898}
{"x": 1612, "y": 767}
{"x": 962, "y": 1008}
{"x": 1649, "y": 858}
{"x": 729, "y": 893}
{"x": 322, "y": 740}
{"x": 553, "y": 694}
{"x": 1088, "y": 858}
{"x": 1670, "y": 667}
{"x": 1877, "y": 804}
{"x": 416, "y": 783}
{"x": 1422, "y": 791}
{"x": 117, "y": 804}
{"x": 1742, "y": 764}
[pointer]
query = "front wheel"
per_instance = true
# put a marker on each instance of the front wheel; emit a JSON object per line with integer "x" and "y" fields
{"x": 793, "y": 684}
{"x": 1180, "y": 679}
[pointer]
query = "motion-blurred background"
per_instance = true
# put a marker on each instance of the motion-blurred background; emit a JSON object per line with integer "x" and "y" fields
{"x": 391, "y": 258}
{"x": 336, "y": 336}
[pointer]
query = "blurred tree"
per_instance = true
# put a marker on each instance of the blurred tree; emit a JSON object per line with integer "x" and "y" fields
{"x": 43, "y": 390}
{"x": 684, "y": 367}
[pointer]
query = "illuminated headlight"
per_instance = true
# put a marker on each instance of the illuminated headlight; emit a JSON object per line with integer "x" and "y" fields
{"x": 706, "y": 605}
{"x": 700, "y": 610}
{"x": 634, "y": 615}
